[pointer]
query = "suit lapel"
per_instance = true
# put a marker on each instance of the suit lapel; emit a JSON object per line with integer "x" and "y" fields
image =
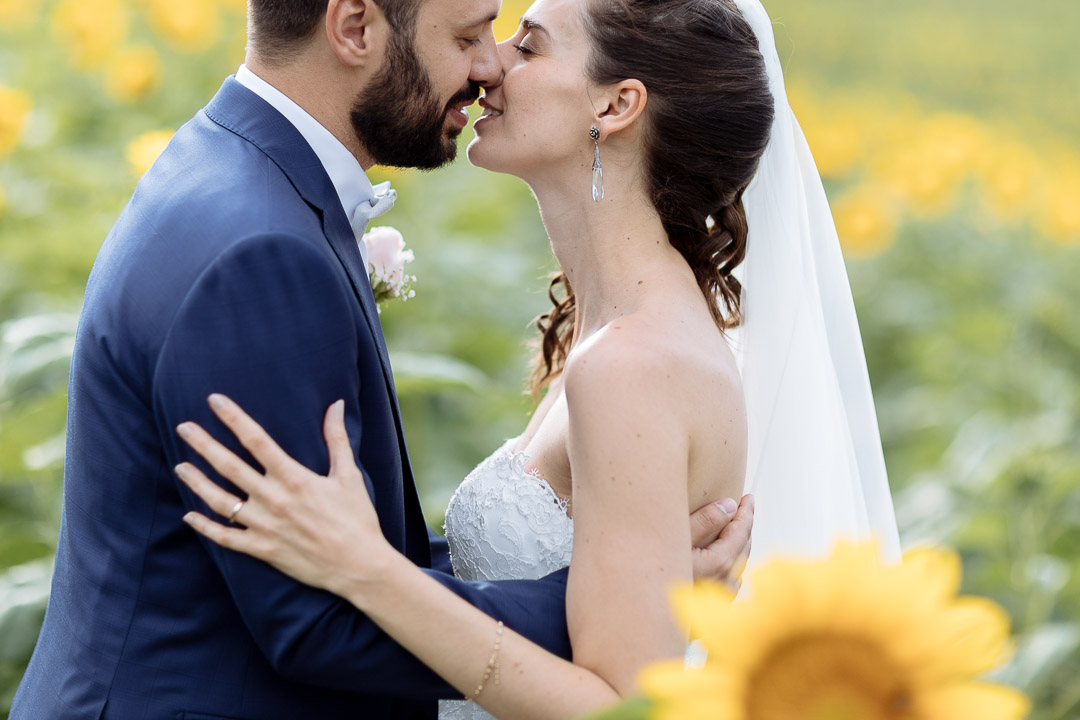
{"x": 243, "y": 112}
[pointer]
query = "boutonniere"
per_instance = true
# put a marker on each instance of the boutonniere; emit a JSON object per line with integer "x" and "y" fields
{"x": 386, "y": 261}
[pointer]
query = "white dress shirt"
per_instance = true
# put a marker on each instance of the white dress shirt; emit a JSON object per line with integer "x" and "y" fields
{"x": 351, "y": 183}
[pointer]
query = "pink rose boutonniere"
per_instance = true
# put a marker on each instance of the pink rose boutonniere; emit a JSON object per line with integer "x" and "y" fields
{"x": 386, "y": 261}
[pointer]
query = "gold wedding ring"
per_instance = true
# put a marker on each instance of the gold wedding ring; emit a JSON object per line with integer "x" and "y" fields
{"x": 236, "y": 509}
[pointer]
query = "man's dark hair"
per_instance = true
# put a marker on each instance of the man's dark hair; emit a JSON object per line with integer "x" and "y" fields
{"x": 279, "y": 28}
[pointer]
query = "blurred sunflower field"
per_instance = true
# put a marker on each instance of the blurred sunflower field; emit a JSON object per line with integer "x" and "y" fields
{"x": 948, "y": 134}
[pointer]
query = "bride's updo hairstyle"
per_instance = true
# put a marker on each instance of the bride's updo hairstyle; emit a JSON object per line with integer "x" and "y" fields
{"x": 707, "y": 123}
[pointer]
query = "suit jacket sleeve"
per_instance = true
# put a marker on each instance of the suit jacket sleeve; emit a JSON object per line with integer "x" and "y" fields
{"x": 272, "y": 324}
{"x": 440, "y": 553}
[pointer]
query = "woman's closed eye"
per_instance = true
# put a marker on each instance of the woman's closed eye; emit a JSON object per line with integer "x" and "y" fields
{"x": 524, "y": 49}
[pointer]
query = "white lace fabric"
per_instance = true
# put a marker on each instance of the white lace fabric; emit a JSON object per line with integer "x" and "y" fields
{"x": 505, "y": 523}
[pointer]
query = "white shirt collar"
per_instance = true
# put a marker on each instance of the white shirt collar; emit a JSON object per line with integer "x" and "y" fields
{"x": 351, "y": 183}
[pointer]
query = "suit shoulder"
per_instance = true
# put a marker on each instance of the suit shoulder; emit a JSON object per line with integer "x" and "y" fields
{"x": 214, "y": 179}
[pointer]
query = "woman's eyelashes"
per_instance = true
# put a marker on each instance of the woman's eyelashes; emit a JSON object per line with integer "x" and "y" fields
{"x": 524, "y": 49}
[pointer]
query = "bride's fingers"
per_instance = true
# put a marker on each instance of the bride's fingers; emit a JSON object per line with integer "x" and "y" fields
{"x": 337, "y": 438}
{"x": 708, "y": 522}
{"x": 220, "y": 457}
{"x": 217, "y": 499}
{"x": 250, "y": 434}
{"x": 226, "y": 537}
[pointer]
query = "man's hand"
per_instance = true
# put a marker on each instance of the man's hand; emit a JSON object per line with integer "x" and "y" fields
{"x": 721, "y": 535}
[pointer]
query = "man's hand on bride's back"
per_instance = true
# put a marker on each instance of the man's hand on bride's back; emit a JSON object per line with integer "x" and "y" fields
{"x": 721, "y": 537}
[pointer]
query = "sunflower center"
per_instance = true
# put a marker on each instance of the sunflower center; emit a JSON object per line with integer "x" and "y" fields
{"x": 828, "y": 678}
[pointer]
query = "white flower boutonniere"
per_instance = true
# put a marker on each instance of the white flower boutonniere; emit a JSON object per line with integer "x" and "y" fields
{"x": 387, "y": 258}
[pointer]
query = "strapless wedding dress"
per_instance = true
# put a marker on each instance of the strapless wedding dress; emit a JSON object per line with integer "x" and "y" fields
{"x": 504, "y": 523}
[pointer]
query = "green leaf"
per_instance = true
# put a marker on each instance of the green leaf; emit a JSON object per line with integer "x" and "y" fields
{"x": 633, "y": 709}
{"x": 429, "y": 372}
{"x": 24, "y": 592}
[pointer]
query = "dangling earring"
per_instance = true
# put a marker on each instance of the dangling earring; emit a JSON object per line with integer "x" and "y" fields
{"x": 597, "y": 169}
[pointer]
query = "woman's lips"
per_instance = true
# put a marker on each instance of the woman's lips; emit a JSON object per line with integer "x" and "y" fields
{"x": 490, "y": 113}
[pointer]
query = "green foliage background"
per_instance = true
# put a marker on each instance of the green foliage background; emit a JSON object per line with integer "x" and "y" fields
{"x": 971, "y": 328}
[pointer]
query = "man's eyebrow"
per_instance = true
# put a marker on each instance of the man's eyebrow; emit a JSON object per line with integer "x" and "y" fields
{"x": 478, "y": 23}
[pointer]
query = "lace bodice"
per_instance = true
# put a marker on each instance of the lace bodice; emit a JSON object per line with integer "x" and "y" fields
{"x": 504, "y": 523}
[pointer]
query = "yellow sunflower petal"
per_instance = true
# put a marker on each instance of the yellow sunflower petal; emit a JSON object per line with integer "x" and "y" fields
{"x": 698, "y": 603}
{"x": 935, "y": 571}
{"x": 974, "y": 700}
{"x": 671, "y": 678}
{"x": 968, "y": 638}
{"x": 681, "y": 694}
{"x": 705, "y": 610}
{"x": 685, "y": 693}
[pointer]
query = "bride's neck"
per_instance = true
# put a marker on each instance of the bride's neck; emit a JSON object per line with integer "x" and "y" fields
{"x": 615, "y": 253}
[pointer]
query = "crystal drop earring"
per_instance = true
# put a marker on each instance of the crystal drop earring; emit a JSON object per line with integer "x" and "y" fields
{"x": 597, "y": 169}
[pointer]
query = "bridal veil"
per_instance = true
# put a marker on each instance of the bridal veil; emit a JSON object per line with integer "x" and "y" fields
{"x": 814, "y": 462}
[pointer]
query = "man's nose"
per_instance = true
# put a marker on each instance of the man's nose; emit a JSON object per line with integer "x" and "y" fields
{"x": 487, "y": 67}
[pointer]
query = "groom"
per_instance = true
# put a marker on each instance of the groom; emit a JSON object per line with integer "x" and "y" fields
{"x": 235, "y": 269}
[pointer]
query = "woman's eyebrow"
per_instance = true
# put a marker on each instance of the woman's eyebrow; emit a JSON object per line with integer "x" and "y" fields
{"x": 533, "y": 25}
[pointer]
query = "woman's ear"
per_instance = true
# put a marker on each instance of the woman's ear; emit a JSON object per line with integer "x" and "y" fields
{"x": 356, "y": 31}
{"x": 623, "y": 104}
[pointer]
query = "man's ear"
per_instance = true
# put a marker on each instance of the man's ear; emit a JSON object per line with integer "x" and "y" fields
{"x": 621, "y": 105}
{"x": 356, "y": 31}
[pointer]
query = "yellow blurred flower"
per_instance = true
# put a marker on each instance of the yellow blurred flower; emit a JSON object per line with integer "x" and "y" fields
{"x": 90, "y": 29}
{"x": 927, "y": 187}
{"x": 1008, "y": 176}
{"x": 17, "y": 14}
{"x": 866, "y": 219}
{"x": 836, "y": 146}
{"x": 14, "y": 110}
{"x": 836, "y": 130}
{"x": 1058, "y": 216}
{"x": 236, "y": 6}
{"x": 132, "y": 73}
{"x": 381, "y": 173}
{"x": 840, "y": 639}
{"x": 955, "y": 140}
{"x": 191, "y": 25}
{"x": 144, "y": 150}
{"x": 509, "y": 18}
{"x": 237, "y": 44}
{"x": 927, "y": 167}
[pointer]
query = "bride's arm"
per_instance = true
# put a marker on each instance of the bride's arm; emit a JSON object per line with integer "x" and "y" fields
{"x": 457, "y": 641}
{"x": 311, "y": 531}
{"x": 629, "y": 458}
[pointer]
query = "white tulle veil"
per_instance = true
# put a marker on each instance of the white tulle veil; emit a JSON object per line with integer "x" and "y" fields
{"x": 815, "y": 462}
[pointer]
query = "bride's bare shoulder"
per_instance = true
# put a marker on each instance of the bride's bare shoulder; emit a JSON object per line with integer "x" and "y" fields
{"x": 625, "y": 350}
{"x": 646, "y": 356}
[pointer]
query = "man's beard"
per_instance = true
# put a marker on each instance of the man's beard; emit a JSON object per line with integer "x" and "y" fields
{"x": 398, "y": 118}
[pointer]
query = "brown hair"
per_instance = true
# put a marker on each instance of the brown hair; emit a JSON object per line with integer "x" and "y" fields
{"x": 280, "y": 27}
{"x": 706, "y": 126}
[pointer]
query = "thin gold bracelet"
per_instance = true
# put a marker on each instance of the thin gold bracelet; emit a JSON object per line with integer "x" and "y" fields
{"x": 492, "y": 665}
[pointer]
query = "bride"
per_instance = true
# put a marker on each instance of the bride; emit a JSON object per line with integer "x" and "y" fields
{"x": 639, "y": 125}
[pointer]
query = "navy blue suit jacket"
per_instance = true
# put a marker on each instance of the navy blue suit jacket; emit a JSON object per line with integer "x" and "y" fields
{"x": 233, "y": 269}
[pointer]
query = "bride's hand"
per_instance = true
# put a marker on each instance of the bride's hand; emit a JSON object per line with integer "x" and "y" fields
{"x": 720, "y": 533}
{"x": 320, "y": 530}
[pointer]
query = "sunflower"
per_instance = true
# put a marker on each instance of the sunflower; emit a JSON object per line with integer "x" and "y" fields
{"x": 840, "y": 639}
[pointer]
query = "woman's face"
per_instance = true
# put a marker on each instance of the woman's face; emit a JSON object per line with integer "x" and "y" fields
{"x": 537, "y": 119}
